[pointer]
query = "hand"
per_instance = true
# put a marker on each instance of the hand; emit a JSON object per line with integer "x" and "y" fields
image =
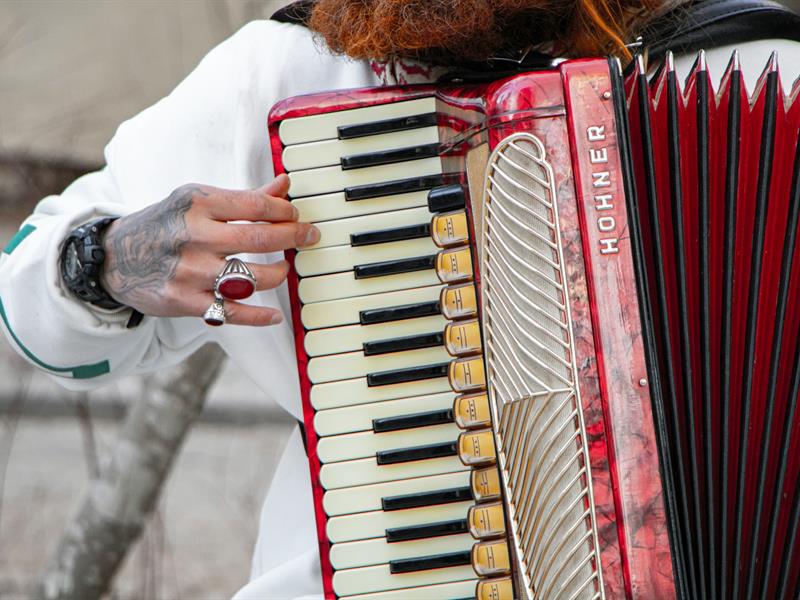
{"x": 163, "y": 260}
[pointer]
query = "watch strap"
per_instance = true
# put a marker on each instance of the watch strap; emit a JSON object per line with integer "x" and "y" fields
{"x": 87, "y": 243}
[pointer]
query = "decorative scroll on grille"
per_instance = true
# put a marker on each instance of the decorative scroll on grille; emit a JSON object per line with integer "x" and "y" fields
{"x": 531, "y": 377}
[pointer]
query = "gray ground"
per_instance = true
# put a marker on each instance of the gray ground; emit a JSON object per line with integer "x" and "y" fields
{"x": 198, "y": 546}
{"x": 70, "y": 72}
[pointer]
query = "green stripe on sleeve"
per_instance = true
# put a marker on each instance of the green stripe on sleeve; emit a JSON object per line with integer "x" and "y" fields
{"x": 17, "y": 239}
{"x": 79, "y": 372}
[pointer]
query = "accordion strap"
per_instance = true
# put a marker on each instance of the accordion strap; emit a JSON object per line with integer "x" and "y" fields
{"x": 296, "y": 13}
{"x": 712, "y": 23}
{"x": 701, "y": 24}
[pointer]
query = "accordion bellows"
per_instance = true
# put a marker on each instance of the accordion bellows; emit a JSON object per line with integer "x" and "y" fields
{"x": 549, "y": 341}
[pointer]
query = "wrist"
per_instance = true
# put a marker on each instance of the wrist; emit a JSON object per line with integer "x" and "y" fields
{"x": 107, "y": 269}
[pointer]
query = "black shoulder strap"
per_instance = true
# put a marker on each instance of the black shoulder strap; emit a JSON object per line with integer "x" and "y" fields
{"x": 711, "y": 23}
{"x": 297, "y": 13}
{"x": 701, "y": 24}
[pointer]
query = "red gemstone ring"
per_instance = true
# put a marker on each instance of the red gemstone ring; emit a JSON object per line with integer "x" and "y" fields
{"x": 236, "y": 282}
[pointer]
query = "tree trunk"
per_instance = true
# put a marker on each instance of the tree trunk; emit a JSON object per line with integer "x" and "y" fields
{"x": 118, "y": 503}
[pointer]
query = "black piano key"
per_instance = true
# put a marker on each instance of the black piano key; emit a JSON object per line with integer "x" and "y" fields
{"x": 393, "y": 267}
{"x": 424, "y": 563}
{"x": 385, "y": 157}
{"x": 390, "y": 188}
{"x": 401, "y": 455}
{"x": 398, "y": 313}
{"x": 396, "y": 234}
{"x": 408, "y": 342}
{"x": 347, "y": 132}
{"x": 420, "y": 499}
{"x": 423, "y": 419}
{"x": 446, "y": 198}
{"x": 406, "y": 375}
{"x": 429, "y": 530}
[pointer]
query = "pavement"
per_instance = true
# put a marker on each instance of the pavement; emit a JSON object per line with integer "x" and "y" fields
{"x": 199, "y": 543}
{"x": 197, "y": 546}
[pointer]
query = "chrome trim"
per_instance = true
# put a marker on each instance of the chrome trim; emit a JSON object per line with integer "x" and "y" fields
{"x": 532, "y": 379}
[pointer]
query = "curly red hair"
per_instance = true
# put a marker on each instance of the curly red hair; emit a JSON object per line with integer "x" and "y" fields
{"x": 452, "y": 31}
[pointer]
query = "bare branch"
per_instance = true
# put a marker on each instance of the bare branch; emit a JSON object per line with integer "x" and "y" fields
{"x": 118, "y": 503}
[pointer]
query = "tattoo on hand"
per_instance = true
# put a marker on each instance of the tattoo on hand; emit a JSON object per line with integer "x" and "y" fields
{"x": 144, "y": 249}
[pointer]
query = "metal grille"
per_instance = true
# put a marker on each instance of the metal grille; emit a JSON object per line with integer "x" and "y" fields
{"x": 530, "y": 363}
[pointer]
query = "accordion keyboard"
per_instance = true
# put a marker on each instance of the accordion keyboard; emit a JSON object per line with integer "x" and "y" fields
{"x": 402, "y": 424}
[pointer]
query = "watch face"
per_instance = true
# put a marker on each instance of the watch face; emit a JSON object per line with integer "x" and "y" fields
{"x": 72, "y": 264}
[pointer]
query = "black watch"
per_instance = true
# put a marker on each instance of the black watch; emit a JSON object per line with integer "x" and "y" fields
{"x": 82, "y": 258}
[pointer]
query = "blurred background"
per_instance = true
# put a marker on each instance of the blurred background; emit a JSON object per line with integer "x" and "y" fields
{"x": 70, "y": 72}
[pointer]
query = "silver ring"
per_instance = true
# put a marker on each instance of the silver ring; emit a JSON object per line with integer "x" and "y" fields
{"x": 215, "y": 314}
{"x": 236, "y": 282}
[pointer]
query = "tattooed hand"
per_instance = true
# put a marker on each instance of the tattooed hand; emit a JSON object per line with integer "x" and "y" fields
{"x": 163, "y": 260}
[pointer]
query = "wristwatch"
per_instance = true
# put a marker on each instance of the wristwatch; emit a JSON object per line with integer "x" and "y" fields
{"x": 82, "y": 258}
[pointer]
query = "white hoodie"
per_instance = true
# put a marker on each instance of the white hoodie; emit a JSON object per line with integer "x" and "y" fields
{"x": 211, "y": 129}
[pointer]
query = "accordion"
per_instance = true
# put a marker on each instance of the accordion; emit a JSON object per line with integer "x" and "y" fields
{"x": 549, "y": 340}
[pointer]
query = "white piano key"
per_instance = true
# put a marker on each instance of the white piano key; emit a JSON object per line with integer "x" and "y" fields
{"x": 364, "y": 553}
{"x": 367, "y": 443}
{"x": 327, "y": 207}
{"x": 337, "y": 233}
{"x": 351, "y": 365}
{"x": 359, "y": 418}
{"x": 355, "y": 500}
{"x": 323, "y": 127}
{"x": 352, "y": 337}
{"x": 349, "y": 582}
{"x": 343, "y": 258}
{"x": 365, "y": 471}
{"x": 345, "y": 285}
{"x": 458, "y": 589}
{"x": 350, "y": 392}
{"x": 329, "y": 152}
{"x": 346, "y": 311}
{"x": 362, "y": 526}
{"x": 326, "y": 180}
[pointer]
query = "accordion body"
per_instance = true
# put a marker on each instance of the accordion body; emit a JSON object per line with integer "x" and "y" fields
{"x": 548, "y": 341}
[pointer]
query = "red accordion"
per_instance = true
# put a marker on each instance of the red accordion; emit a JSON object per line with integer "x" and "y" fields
{"x": 548, "y": 343}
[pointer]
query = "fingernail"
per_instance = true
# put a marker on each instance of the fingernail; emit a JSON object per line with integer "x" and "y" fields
{"x": 295, "y": 212}
{"x": 312, "y": 237}
{"x": 276, "y": 318}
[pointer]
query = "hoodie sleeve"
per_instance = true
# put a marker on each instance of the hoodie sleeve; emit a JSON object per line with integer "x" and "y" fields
{"x": 211, "y": 129}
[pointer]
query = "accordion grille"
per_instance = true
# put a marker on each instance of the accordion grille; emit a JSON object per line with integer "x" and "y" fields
{"x": 530, "y": 363}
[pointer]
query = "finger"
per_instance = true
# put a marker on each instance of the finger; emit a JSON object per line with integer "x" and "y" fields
{"x": 234, "y": 238}
{"x": 268, "y": 276}
{"x": 278, "y": 187}
{"x": 237, "y": 313}
{"x": 248, "y": 205}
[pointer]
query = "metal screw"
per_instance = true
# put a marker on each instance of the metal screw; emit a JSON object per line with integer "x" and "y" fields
{"x": 643, "y": 382}
{"x": 606, "y": 95}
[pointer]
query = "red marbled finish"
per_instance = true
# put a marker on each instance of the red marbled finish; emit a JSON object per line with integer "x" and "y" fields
{"x": 634, "y": 468}
{"x": 627, "y": 491}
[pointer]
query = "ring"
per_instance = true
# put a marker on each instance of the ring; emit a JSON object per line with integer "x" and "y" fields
{"x": 236, "y": 282}
{"x": 215, "y": 314}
